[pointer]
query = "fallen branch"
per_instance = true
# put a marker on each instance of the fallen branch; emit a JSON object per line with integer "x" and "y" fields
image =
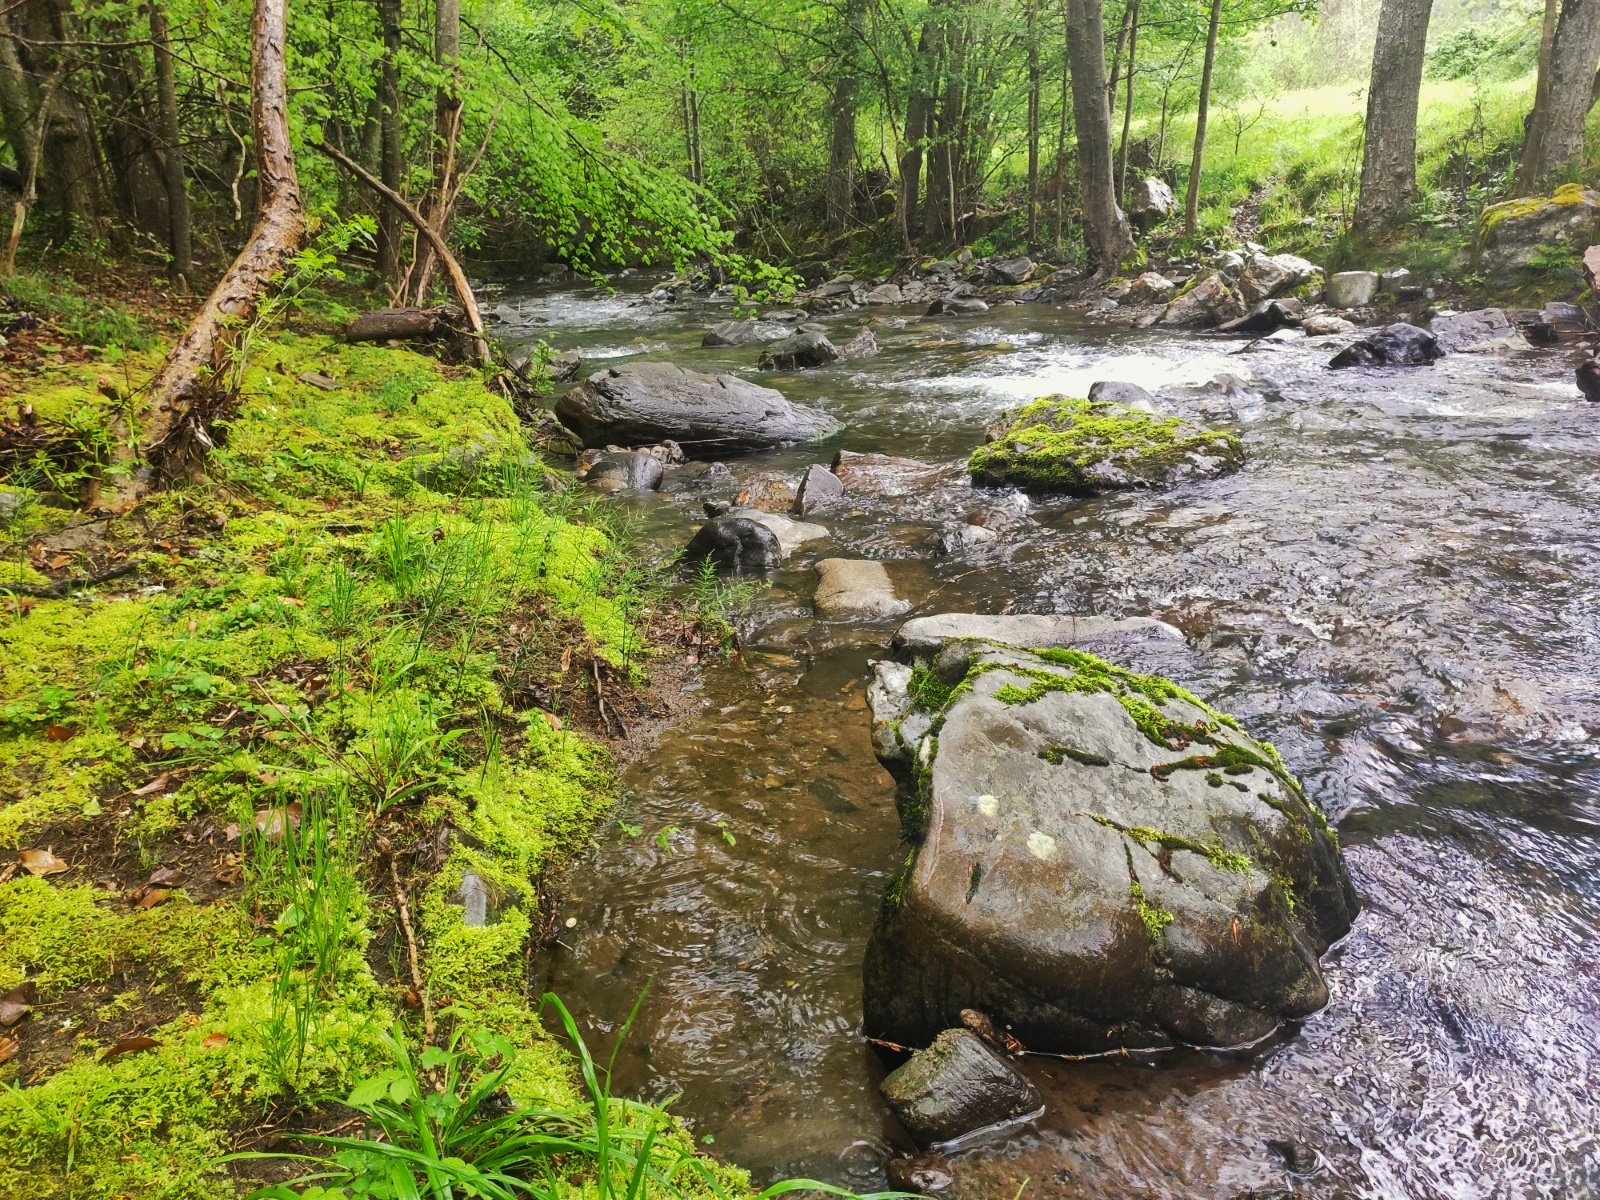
{"x": 400, "y": 324}
{"x": 404, "y": 909}
{"x": 63, "y": 587}
{"x": 458, "y": 277}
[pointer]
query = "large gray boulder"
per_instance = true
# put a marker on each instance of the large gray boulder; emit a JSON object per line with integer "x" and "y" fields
{"x": 744, "y": 331}
{"x": 1482, "y": 331}
{"x": 957, "y": 1086}
{"x": 1351, "y": 289}
{"x": 1517, "y": 236}
{"x": 1101, "y": 860}
{"x": 706, "y": 415}
{"x": 1269, "y": 275}
{"x": 1152, "y": 202}
{"x": 799, "y": 352}
{"x": 1209, "y": 302}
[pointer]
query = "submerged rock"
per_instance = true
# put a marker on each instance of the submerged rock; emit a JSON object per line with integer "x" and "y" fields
{"x": 738, "y": 545}
{"x": 851, "y": 587}
{"x": 881, "y": 474}
{"x": 650, "y": 401}
{"x": 1084, "y": 447}
{"x": 1482, "y": 331}
{"x": 1104, "y": 861}
{"x": 920, "y": 1174}
{"x": 957, "y": 1086}
{"x": 1397, "y": 345}
{"x": 625, "y": 470}
{"x": 819, "y": 487}
{"x": 957, "y": 306}
{"x": 791, "y": 534}
{"x": 803, "y": 350}
{"x": 863, "y": 345}
{"x": 747, "y": 331}
{"x": 921, "y": 637}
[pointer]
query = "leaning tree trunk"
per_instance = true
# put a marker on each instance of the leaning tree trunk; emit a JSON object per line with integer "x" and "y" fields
{"x": 1105, "y": 229}
{"x": 179, "y": 241}
{"x": 1553, "y": 150}
{"x": 174, "y": 435}
{"x": 1389, "y": 160}
{"x": 1191, "y": 203}
{"x": 446, "y": 133}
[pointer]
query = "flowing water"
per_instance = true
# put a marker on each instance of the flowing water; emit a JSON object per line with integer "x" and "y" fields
{"x": 1401, "y": 589}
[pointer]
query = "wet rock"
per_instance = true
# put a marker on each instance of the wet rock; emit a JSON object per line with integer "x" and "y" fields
{"x": 920, "y": 1174}
{"x": 1152, "y": 202}
{"x": 1396, "y": 281}
{"x": 738, "y": 545}
{"x": 700, "y": 477}
{"x": 881, "y": 474}
{"x": 1269, "y": 275}
{"x": 770, "y": 491}
{"x": 745, "y": 332}
{"x": 648, "y": 401}
{"x": 791, "y": 534}
{"x": 1118, "y": 391}
{"x": 1297, "y": 1157}
{"x": 1208, "y": 302}
{"x": 1010, "y": 271}
{"x": 1588, "y": 380}
{"x": 863, "y": 345}
{"x": 1149, "y": 288}
{"x": 621, "y": 471}
{"x": 474, "y": 896}
{"x": 1266, "y": 317}
{"x": 1351, "y": 289}
{"x": 921, "y": 638}
{"x": 1515, "y": 235}
{"x": 804, "y": 350}
{"x": 1483, "y": 331}
{"x": 853, "y": 587}
{"x": 1322, "y": 324}
{"x": 1084, "y": 447}
{"x": 1397, "y": 345}
{"x": 884, "y": 293}
{"x": 819, "y": 487}
{"x": 957, "y": 1086}
{"x": 966, "y": 537}
{"x": 565, "y": 367}
{"x": 1105, "y": 863}
{"x": 957, "y": 306}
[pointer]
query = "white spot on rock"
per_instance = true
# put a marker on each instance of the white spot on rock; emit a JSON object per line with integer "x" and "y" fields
{"x": 1041, "y": 845}
{"x": 988, "y": 805}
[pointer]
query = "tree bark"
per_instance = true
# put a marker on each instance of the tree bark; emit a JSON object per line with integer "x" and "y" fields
{"x": 1105, "y": 229}
{"x": 1389, "y": 158}
{"x": 1124, "y": 32}
{"x": 1191, "y": 204}
{"x": 172, "y": 167}
{"x": 841, "y": 181}
{"x": 391, "y": 226}
{"x": 919, "y": 104}
{"x": 174, "y": 432}
{"x": 1553, "y": 150}
{"x": 1033, "y": 123}
{"x": 446, "y": 133}
{"x": 1127, "y": 108}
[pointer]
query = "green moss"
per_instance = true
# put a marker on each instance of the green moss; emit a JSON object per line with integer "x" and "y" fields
{"x": 1056, "y": 443}
{"x": 1155, "y": 918}
{"x": 1495, "y": 215}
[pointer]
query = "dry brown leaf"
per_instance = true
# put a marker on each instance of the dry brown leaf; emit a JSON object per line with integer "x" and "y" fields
{"x": 214, "y": 1041}
{"x": 7, "y": 871}
{"x": 41, "y": 862}
{"x": 552, "y": 720}
{"x": 60, "y": 733}
{"x": 272, "y": 822}
{"x": 130, "y": 1045}
{"x": 14, "y": 1005}
{"x": 56, "y": 561}
{"x": 161, "y": 875}
{"x": 8, "y": 1049}
{"x": 152, "y": 897}
{"x": 566, "y": 660}
{"x": 158, "y": 784}
{"x": 231, "y": 831}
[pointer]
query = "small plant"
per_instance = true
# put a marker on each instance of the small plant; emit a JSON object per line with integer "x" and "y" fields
{"x": 715, "y": 604}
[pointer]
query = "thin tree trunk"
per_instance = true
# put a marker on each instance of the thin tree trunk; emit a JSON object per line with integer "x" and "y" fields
{"x": 1127, "y": 107}
{"x": 1033, "y": 123}
{"x": 1124, "y": 32}
{"x": 1389, "y": 157}
{"x": 1532, "y": 124}
{"x": 174, "y": 433}
{"x": 1060, "y": 182}
{"x": 391, "y": 165}
{"x": 1191, "y": 204}
{"x": 1553, "y": 151}
{"x": 840, "y": 186}
{"x": 172, "y": 165}
{"x": 1105, "y": 229}
{"x": 446, "y": 134}
{"x": 919, "y": 105}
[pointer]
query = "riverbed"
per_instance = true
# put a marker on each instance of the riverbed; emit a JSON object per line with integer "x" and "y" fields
{"x": 1401, "y": 590}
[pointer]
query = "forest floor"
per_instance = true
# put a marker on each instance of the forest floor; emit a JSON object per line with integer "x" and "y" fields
{"x": 293, "y": 757}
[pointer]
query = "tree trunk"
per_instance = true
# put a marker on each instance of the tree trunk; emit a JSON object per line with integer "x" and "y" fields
{"x": 1553, "y": 151}
{"x": 174, "y": 433}
{"x": 179, "y": 240}
{"x": 919, "y": 104}
{"x": 446, "y": 133}
{"x": 841, "y": 182}
{"x": 1191, "y": 204}
{"x": 1105, "y": 229}
{"x": 1127, "y": 108}
{"x": 1033, "y": 123}
{"x": 1389, "y": 159}
{"x": 1124, "y": 32}
{"x": 391, "y": 226}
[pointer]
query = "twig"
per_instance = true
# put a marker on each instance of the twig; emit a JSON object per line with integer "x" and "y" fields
{"x": 404, "y": 909}
{"x": 61, "y": 587}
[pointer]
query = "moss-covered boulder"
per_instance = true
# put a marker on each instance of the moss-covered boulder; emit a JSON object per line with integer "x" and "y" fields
{"x": 1101, "y": 860}
{"x": 1084, "y": 447}
{"x": 1532, "y": 233}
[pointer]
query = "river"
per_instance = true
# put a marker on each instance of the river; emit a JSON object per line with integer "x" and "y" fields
{"x": 1401, "y": 589}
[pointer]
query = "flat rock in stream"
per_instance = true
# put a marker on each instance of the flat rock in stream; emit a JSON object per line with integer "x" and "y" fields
{"x": 920, "y": 638}
{"x": 747, "y": 331}
{"x": 791, "y": 534}
{"x": 651, "y": 401}
{"x": 819, "y": 487}
{"x": 1085, "y": 447}
{"x": 1102, "y": 861}
{"x": 1482, "y": 331}
{"x": 881, "y": 474}
{"x": 957, "y": 1086}
{"x": 850, "y": 587}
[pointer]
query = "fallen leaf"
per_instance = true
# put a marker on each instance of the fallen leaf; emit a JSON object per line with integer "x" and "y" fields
{"x": 60, "y": 733}
{"x": 130, "y": 1045}
{"x": 214, "y": 1041}
{"x": 272, "y": 822}
{"x": 8, "y": 1049}
{"x": 136, "y": 743}
{"x": 158, "y": 784}
{"x": 566, "y": 660}
{"x": 552, "y": 720}
{"x": 152, "y": 897}
{"x": 319, "y": 379}
{"x": 14, "y": 1005}
{"x": 41, "y": 862}
{"x": 161, "y": 875}
{"x": 231, "y": 831}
